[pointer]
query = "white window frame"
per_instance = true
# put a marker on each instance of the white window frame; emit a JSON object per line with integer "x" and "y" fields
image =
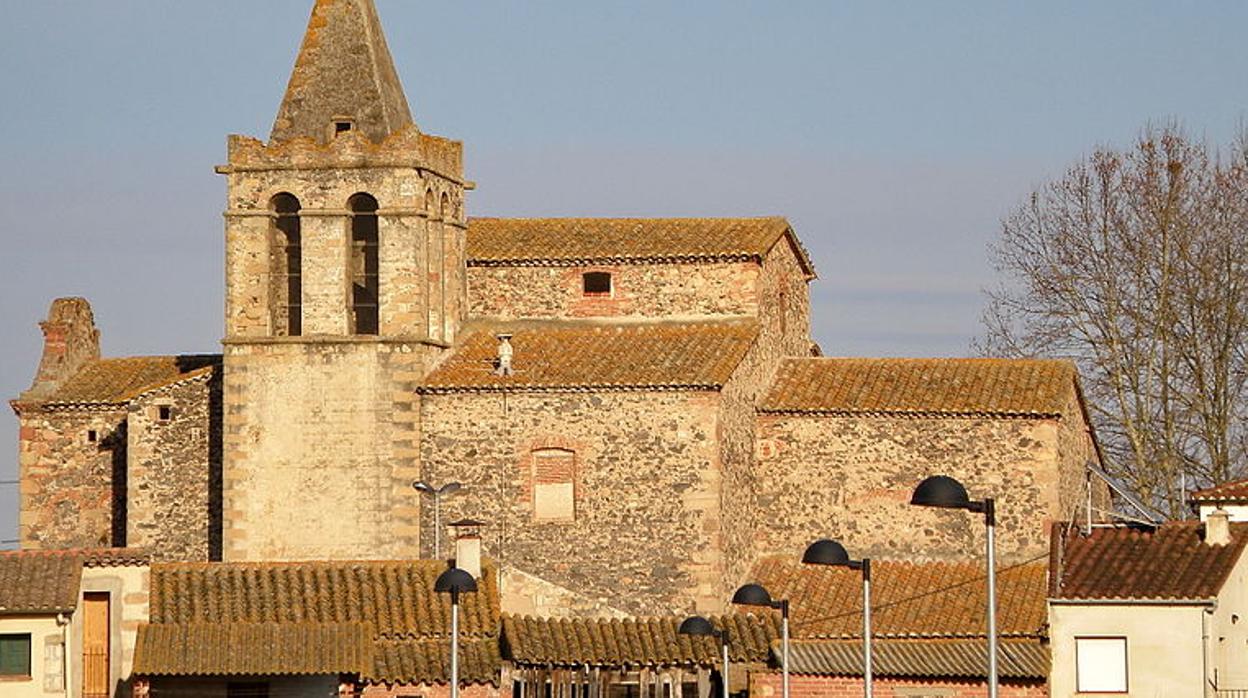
{"x": 1106, "y": 648}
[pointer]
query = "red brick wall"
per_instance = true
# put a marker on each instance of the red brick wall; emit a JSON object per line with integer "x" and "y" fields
{"x": 767, "y": 685}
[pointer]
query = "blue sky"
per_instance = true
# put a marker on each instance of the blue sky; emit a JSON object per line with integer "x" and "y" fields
{"x": 893, "y": 135}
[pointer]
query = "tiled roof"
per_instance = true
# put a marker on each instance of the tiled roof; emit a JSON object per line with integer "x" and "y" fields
{"x": 952, "y": 659}
{"x": 401, "y": 625}
{"x": 573, "y": 241}
{"x": 1171, "y": 562}
{"x": 1002, "y": 387}
{"x": 929, "y": 599}
{"x": 1226, "y": 492}
{"x": 632, "y": 641}
{"x": 235, "y": 649}
{"x": 115, "y": 381}
{"x": 38, "y": 582}
{"x": 593, "y": 354}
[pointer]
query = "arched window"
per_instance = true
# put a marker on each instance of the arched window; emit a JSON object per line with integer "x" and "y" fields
{"x": 285, "y": 266}
{"x": 446, "y": 206}
{"x": 365, "y": 283}
{"x": 554, "y": 484}
{"x": 430, "y": 201}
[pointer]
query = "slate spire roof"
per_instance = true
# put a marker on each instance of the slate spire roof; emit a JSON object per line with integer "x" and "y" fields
{"x": 344, "y": 72}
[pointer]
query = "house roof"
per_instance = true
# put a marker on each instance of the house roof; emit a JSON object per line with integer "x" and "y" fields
{"x": 594, "y": 354}
{"x": 1127, "y": 563}
{"x": 48, "y": 581}
{"x": 1026, "y": 659}
{"x": 632, "y": 641}
{"x": 1236, "y": 492}
{"x": 399, "y": 625}
{"x": 953, "y": 387}
{"x": 116, "y": 381}
{"x": 908, "y": 599}
{"x": 578, "y": 241}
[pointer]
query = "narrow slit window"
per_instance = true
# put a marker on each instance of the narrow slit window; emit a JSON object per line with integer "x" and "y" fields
{"x": 365, "y": 279}
{"x": 93, "y": 436}
{"x": 285, "y": 267}
{"x": 596, "y": 284}
{"x": 164, "y": 413}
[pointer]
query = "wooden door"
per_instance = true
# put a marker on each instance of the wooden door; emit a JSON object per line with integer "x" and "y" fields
{"x": 95, "y": 646}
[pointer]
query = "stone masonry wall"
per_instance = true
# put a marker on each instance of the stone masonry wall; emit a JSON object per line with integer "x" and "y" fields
{"x": 644, "y": 536}
{"x": 174, "y": 483}
{"x": 639, "y": 290}
{"x": 320, "y": 449}
{"x": 1076, "y": 449}
{"x": 850, "y": 479}
{"x": 72, "y": 488}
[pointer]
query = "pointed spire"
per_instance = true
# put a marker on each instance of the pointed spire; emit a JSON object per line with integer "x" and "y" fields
{"x": 344, "y": 75}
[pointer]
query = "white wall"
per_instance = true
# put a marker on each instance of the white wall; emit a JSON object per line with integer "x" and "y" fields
{"x": 45, "y": 637}
{"x": 1237, "y": 512}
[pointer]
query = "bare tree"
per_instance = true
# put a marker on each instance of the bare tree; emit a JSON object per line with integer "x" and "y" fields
{"x": 1135, "y": 265}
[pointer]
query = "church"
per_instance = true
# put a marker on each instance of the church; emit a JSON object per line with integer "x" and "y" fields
{"x": 630, "y": 413}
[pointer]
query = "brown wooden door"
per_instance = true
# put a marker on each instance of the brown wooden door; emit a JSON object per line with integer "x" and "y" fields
{"x": 95, "y": 646}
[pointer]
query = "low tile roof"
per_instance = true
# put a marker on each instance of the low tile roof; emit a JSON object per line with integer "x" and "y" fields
{"x": 908, "y": 599}
{"x": 633, "y": 641}
{"x": 1226, "y": 492}
{"x": 1124, "y": 563}
{"x": 952, "y": 387}
{"x": 575, "y": 241}
{"x": 1026, "y": 660}
{"x": 116, "y": 381}
{"x": 407, "y": 624}
{"x": 37, "y": 582}
{"x": 594, "y": 354}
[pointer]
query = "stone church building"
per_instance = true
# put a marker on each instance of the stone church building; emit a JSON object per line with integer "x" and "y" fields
{"x": 634, "y": 407}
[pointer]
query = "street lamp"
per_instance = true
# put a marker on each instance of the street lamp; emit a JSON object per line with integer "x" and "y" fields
{"x": 437, "y": 492}
{"x": 832, "y": 553}
{"x": 697, "y": 625}
{"x": 756, "y": 595}
{"x": 944, "y": 492}
{"x": 454, "y": 581}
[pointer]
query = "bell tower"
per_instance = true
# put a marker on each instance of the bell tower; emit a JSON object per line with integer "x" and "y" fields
{"x": 345, "y": 280}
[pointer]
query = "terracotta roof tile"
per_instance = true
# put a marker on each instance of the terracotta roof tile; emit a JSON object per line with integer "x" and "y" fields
{"x": 255, "y": 649}
{"x": 1226, "y": 492}
{"x": 950, "y": 659}
{"x": 1133, "y": 563}
{"x": 633, "y": 641}
{"x": 929, "y": 599}
{"x": 39, "y": 582}
{"x": 1006, "y": 387}
{"x": 593, "y": 354}
{"x": 115, "y": 381}
{"x": 429, "y": 661}
{"x": 571, "y": 241}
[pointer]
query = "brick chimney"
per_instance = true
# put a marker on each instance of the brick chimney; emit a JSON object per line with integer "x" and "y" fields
{"x": 70, "y": 339}
{"x": 468, "y": 546}
{"x": 1218, "y": 528}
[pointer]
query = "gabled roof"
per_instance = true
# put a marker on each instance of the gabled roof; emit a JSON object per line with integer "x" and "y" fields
{"x": 580, "y": 241}
{"x": 589, "y": 354}
{"x": 633, "y": 641}
{"x": 908, "y": 599}
{"x": 923, "y": 387}
{"x": 297, "y": 617}
{"x": 48, "y": 581}
{"x": 344, "y": 69}
{"x": 1131, "y": 563}
{"x": 1026, "y": 660}
{"x": 1228, "y": 492}
{"x": 117, "y": 381}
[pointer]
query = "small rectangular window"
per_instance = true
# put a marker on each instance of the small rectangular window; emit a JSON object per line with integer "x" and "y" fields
{"x": 92, "y": 436}
{"x": 597, "y": 284}
{"x": 1101, "y": 664}
{"x": 15, "y": 655}
{"x": 164, "y": 413}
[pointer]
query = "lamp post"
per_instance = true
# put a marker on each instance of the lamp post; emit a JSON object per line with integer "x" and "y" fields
{"x": 437, "y": 492}
{"x": 832, "y": 553}
{"x": 697, "y": 625}
{"x": 454, "y": 581}
{"x": 944, "y": 492}
{"x": 756, "y": 595}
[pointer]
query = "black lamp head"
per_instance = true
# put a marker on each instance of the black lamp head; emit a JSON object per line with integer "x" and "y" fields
{"x": 941, "y": 491}
{"x": 826, "y": 552}
{"x": 454, "y": 581}
{"x": 752, "y": 595}
{"x": 697, "y": 625}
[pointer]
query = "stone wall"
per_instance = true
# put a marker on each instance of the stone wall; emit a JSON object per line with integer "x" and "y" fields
{"x": 646, "y": 528}
{"x": 850, "y": 479}
{"x": 174, "y": 482}
{"x": 320, "y": 449}
{"x": 638, "y": 290}
{"x": 72, "y": 487}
